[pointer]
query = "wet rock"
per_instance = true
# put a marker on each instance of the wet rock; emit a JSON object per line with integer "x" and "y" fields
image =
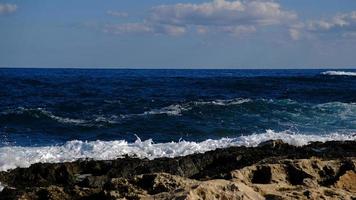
{"x": 93, "y": 181}
{"x": 272, "y": 143}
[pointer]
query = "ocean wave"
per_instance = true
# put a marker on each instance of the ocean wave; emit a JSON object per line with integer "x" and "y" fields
{"x": 339, "y": 73}
{"x": 41, "y": 112}
{"x": 347, "y": 109}
{"x": 98, "y": 120}
{"x": 169, "y": 110}
{"x": 177, "y": 109}
{"x": 17, "y": 156}
{"x": 220, "y": 102}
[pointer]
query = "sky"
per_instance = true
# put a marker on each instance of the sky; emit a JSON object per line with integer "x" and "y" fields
{"x": 178, "y": 33}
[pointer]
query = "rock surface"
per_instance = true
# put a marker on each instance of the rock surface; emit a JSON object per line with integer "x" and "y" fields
{"x": 273, "y": 170}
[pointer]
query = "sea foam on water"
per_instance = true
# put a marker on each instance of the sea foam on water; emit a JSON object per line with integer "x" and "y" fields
{"x": 17, "y": 156}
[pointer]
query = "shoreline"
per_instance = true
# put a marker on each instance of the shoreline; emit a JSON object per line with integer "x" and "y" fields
{"x": 22, "y": 156}
{"x": 274, "y": 170}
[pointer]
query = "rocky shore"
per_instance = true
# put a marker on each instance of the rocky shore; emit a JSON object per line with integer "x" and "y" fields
{"x": 273, "y": 170}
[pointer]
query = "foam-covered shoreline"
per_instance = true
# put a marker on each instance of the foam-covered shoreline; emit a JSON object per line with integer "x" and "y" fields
{"x": 17, "y": 156}
{"x": 272, "y": 169}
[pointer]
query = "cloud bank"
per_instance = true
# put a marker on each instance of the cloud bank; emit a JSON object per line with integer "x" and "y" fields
{"x": 341, "y": 25}
{"x": 231, "y": 17}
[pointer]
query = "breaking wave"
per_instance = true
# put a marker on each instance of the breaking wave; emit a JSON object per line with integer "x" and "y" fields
{"x": 339, "y": 73}
{"x": 17, "y": 156}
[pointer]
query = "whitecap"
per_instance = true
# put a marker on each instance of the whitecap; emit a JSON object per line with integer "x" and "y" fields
{"x": 221, "y": 102}
{"x": 169, "y": 110}
{"x": 339, "y": 73}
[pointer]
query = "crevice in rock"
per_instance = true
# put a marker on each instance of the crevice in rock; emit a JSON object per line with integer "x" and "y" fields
{"x": 262, "y": 175}
{"x": 346, "y": 165}
{"x": 147, "y": 183}
{"x": 296, "y": 176}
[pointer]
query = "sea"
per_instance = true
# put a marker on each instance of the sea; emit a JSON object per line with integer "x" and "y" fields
{"x": 59, "y": 115}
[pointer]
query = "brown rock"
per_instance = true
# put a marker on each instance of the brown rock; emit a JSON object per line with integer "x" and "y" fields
{"x": 347, "y": 182}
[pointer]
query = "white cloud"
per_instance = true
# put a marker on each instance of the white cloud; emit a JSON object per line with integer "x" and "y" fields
{"x": 7, "y": 8}
{"x": 222, "y": 13}
{"x": 129, "y": 28}
{"x": 343, "y": 24}
{"x": 346, "y": 21}
{"x": 294, "y": 33}
{"x": 142, "y": 28}
{"x": 232, "y": 17}
{"x": 117, "y": 13}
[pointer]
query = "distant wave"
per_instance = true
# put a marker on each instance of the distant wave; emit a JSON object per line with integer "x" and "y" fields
{"x": 338, "y": 108}
{"x": 220, "y": 102}
{"x": 16, "y": 156}
{"x": 41, "y": 112}
{"x": 177, "y": 109}
{"x": 339, "y": 73}
{"x": 100, "y": 120}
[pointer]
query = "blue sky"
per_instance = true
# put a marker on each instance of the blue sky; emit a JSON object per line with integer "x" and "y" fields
{"x": 178, "y": 33}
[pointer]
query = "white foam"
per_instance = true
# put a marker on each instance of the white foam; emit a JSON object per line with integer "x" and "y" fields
{"x": 169, "y": 110}
{"x": 220, "y": 102}
{"x": 1, "y": 187}
{"x": 64, "y": 120}
{"x": 16, "y": 156}
{"x": 339, "y": 73}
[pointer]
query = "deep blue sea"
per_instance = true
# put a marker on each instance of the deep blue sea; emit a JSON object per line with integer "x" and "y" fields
{"x": 55, "y": 115}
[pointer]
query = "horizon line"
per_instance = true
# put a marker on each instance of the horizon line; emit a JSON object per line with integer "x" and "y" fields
{"x": 185, "y": 68}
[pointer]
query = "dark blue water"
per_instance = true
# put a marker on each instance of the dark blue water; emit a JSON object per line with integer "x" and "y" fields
{"x": 51, "y": 106}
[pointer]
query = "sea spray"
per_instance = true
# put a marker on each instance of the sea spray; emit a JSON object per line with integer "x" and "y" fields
{"x": 17, "y": 156}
